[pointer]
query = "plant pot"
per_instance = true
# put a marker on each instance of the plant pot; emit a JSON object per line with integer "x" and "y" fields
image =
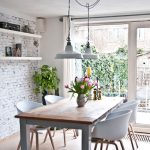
{"x": 43, "y": 97}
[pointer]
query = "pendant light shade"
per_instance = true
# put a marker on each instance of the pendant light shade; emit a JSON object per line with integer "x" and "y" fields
{"x": 69, "y": 53}
{"x": 88, "y": 53}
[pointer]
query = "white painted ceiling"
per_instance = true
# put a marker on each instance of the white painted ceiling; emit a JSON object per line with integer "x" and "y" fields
{"x": 52, "y": 8}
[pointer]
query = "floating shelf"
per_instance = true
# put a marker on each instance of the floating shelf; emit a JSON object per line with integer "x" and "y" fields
{"x": 20, "y": 58}
{"x": 20, "y": 33}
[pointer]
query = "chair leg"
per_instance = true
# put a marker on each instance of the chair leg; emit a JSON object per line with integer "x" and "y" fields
{"x": 74, "y": 131}
{"x": 64, "y": 133}
{"x": 37, "y": 140}
{"x": 31, "y": 139}
{"x": 121, "y": 143}
{"x": 54, "y": 132}
{"x": 131, "y": 139}
{"x": 107, "y": 146}
{"x": 95, "y": 147}
{"x": 133, "y": 135}
{"x": 115, "y": 145}
{"x": 45, "y": 137}
{"x": 77, "y": 132}
{"x": 19, "y": 146}
{"x": 50, "y": 136}
{"x": 101, "y": 146}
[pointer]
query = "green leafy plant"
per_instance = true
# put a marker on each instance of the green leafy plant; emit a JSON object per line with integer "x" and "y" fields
{"x": 45, "y": 79}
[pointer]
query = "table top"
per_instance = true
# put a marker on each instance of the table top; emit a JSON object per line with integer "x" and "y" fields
{"x": 67, "y": 111}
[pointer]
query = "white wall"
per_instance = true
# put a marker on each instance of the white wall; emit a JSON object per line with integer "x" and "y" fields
{"x": 52, "y": 43}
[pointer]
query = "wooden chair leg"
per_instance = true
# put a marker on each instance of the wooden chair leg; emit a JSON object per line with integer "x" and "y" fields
{"x": 95, "y": 147}
{"x": 115, "y": 145}
{"x": 19, "y": 146}
{"x": 54, "y": 131}
{"x": 131, "y": 139}
{"x": 64, "y": 133}
{"x": 31, "y": 139}
{"x": 45, "y": 137}
{"x": 101, "y": 146}
{"x": 133, "y": 135}
{"x": 74, "y": 131}
{"x": 107, "y": 146}
{"x": 50, "y": 136}
{"x": 77, "y": 132}
{"x": 37, "y": 140}
{"x": 121, "y": 143}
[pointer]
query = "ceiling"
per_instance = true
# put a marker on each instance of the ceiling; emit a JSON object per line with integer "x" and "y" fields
{"x": 53, "y": 8}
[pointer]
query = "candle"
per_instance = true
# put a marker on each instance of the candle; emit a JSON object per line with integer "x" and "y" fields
{"x": 88, "y": 71}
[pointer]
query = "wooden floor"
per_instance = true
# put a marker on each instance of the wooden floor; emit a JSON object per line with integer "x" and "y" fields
{"x": 72, "y": 144}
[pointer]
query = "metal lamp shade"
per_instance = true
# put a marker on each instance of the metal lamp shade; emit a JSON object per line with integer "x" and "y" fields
{"x": 88, "y": 53}
{"x": 69, "y": 53}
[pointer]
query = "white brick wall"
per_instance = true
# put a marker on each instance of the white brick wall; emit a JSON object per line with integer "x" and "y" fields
{"x": 15, "y": 76}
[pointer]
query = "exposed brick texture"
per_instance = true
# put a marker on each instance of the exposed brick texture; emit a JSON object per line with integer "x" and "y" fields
{"x": 15, "y": 76}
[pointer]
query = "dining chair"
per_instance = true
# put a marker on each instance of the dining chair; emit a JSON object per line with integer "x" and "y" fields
{"x": 132, "y": 105}
{"x": 51, "y": 99}
{"x": 111, "y": 130}
{"x": 24, "y": 106}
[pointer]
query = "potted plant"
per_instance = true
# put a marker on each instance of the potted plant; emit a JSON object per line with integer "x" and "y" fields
{"x": 46, "y": 81}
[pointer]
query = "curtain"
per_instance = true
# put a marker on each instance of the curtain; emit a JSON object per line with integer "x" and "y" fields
{"x": 68, "y": 64}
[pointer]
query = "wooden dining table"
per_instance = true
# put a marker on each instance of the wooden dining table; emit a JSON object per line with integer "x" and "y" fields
{"x": 66, "y": 114}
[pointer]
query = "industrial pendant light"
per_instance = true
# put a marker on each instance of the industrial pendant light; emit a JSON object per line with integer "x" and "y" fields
{"x": 69, "y": 53}
{"x": 88, "y": 52}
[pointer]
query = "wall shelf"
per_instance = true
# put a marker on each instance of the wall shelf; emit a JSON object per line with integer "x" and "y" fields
{"x": 20, "y": 33}
{"x": 20, "y": 58}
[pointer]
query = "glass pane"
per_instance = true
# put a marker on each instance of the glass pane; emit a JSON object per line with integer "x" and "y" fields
{"x": 143, "y": 74}
{"x": 110, "y": 41}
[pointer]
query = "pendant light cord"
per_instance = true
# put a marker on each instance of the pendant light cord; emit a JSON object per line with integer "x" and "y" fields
{"x": 68, "y": 38}
{"x": 88, "y": 7}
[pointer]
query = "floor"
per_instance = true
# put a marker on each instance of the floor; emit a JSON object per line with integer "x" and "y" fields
{"x": 72, "y": 144}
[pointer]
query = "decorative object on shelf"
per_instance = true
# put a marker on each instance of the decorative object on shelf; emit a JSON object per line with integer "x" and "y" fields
{"x": 46, "y": 80}
{"x": 8, "y": 51}
{"x": 36, "y": 43}
{"x": 20, "y": 33}
{"x": 82, "y": 87}
{"x": 17, "y": 52}
{"x": 88, "y": 52}
{"x": 10, "y": 26}
{"x": 69, "y": 53}
{"x": 27, "y": 29}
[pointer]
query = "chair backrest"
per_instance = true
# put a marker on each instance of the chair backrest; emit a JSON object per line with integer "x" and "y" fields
{"x": 132, "y": 105}
{"x": 50, "y": 99}
{"x": 24, "y": 106}
{"x": 113, "y": 128}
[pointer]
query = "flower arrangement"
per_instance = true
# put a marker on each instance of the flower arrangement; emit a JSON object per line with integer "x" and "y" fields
{"x": 81, "y": 86}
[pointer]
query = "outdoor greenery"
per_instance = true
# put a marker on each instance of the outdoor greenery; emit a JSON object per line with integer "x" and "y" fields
{"x": 111, "y": 70}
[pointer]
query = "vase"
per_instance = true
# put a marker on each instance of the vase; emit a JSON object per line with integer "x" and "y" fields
{"x": 81, "y": 100}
